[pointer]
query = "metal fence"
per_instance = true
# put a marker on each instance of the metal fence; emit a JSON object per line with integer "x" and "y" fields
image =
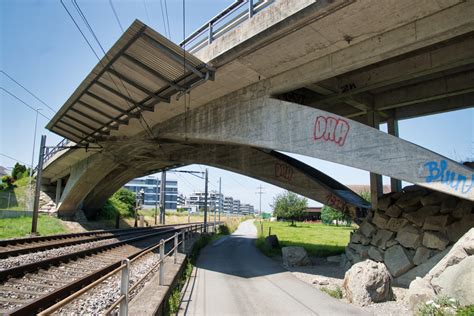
{"x": 222, "y": 23}
{"x": 125, "y": 288}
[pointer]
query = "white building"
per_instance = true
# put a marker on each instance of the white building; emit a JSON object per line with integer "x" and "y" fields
{"x": 151, "y": 187}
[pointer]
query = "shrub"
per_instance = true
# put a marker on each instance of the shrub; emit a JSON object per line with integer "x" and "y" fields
{"x": 121, "y": 203}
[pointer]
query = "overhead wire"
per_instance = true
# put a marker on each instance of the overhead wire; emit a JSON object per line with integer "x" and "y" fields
{"x": 116, "y": 15}
{"x": 146, "y": 12}
{"x": 146, "y": 128}
{"x": 10, "y": 157}
{"x": 167, "y": 20}
{"x": 31, "y": 107}
{"x": 167, "y": 33}
{"x": 31, "y": 93}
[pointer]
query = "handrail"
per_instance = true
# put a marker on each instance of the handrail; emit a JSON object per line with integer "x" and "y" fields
{"x": 123, "y": 266}
{"x": 254, "y": 6}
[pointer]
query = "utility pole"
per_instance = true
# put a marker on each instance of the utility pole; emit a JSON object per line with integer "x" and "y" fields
{"x": 33, "y": 158}
{"x": 205, "y": 201}
{"x": 260, "y": 192}
{"x": 34, "y": 222}
{"x": 220, "y": 198}
{"x": 156, "y": 202}
{"x": 162, "y": 197}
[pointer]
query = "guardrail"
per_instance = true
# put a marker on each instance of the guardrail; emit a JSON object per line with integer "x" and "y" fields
{"x": 228, "y": 19}
{"x": 125, "y": 289}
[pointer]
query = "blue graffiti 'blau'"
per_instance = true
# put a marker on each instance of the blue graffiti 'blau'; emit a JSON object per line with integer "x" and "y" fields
{"x": 440, "y": 172}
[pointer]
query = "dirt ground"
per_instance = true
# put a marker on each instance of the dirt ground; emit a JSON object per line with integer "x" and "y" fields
{"x": 330, "y": 275}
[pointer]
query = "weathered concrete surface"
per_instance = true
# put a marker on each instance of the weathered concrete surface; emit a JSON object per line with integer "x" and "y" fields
{"x": 272, "y": 167}
{"x": 248, "y": 118}
{"x": 233, "y": 277}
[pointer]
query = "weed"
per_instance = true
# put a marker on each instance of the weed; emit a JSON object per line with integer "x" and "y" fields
{"x": 336, "y": 293}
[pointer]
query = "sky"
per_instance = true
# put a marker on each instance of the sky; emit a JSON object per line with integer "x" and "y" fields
{"x": 42, "y": 50}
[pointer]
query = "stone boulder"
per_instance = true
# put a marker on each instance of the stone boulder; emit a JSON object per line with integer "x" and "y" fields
{"x": 368, "y": 282}
{"x": 272, "y": 241}
{"x": 398, "y": 260}
{"x": 457, "y": 281}
{"x": 295, "y": 256}
{"x": 409, "y": 236}
{"x": 435, "y": 240}
{"x": 419, "y": 292}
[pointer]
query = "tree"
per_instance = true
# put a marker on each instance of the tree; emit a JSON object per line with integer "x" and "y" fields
{"x": 289, "y": 205}
{"x": 19, "y": 171}
{"x": 127, "y": 197}
{"x": 329, "y": 214}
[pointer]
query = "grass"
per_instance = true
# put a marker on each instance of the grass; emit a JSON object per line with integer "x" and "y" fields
{"x": 336, "y": 293}
{"x": 18, "y": 197}
{"x": 318, "y": 239}
{"x": 21, "y": 226}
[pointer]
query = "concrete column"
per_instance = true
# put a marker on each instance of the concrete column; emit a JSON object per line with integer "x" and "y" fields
{"x": 376, "y": 185}
{"x": 59, "y": 188}
{"x": 392, "y": 128}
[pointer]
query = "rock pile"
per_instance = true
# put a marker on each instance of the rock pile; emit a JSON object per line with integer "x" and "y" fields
{"x": 410, "y": 232}
{"x": 46, "y": 204}
{"x": 452, "y": 276}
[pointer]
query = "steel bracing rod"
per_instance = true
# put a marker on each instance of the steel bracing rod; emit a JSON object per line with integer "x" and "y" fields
{"x": 138, "y": 86}
{"x": 76, "y": 128}
{"x": 84, "y": 124}
{"x": 104, "y": 101}
{"x": 71, "y": 133}
{"x": 90, "y": 107}
{"x": 172, "y": 55}
{"x": 124, "y": 97}
{"x": 152, "y": 71}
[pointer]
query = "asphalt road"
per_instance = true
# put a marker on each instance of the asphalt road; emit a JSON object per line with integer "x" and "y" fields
{"x": 234, "y": 278}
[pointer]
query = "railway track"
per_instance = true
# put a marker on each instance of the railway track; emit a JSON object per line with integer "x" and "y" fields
{"x": 19, "y": 246}
{"x": 29, "y": 288}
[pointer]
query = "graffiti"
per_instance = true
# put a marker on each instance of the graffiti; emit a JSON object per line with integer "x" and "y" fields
{"x": 348, "y": 87}
{"x": 283, "y": 171}
{"x": 331, "y": 129}
{"x": 335, "y": 202}
{"x": 439, "y": 172}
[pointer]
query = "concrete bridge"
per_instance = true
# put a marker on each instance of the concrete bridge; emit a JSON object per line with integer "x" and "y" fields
{"x": 309, "y": 77}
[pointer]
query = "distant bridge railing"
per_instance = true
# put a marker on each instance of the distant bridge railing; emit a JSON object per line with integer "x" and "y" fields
{"x": 228, "y": 19}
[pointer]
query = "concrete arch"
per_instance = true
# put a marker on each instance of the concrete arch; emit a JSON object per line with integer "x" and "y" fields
{"x": 271, "y": 167}
{"x": 249, "y": 119}
{"x": 83, "y": 177}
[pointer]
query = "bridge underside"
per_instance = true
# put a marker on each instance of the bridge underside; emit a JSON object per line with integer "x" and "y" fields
{"x": 291, "y": 89}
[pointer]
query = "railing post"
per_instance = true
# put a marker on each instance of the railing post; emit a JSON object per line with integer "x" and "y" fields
{"x": 250, "y": 8}
{"x": 124, "y": 286}
{"x": 209, "y": 39}
{"x": 162, "y": 262}
{"x": 183, "y": 242}
{"x": 175, "y": 252}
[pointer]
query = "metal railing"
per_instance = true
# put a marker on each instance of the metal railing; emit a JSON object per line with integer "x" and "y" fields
{"x": 51, "y": 151}
{"x": 125, "y": 289}
{"x": 228, "y": 19}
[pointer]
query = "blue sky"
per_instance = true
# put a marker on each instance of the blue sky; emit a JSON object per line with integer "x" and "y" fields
{"x": 41, "y": 48}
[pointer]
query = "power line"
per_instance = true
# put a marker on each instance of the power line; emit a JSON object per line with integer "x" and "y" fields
{"x": 79, "y": 29}
{"x": 81, "y": 14}
{"x": 116, "y": 15}
{"x": 13, "y": 95}
{"x": 31, "y": 93}
{"x": 164, "y": 20}
{"x": 146, "y": 11}
{"x": 10, "y": 157}
{"x": 167, "y": 20}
